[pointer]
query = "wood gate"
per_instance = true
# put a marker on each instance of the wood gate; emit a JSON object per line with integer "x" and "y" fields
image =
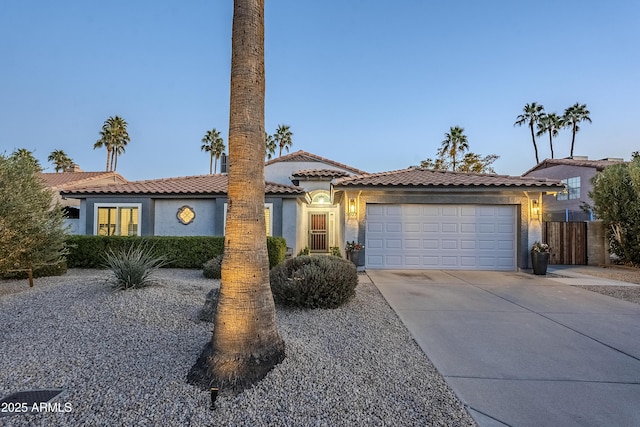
{"x": 567, "y": 240}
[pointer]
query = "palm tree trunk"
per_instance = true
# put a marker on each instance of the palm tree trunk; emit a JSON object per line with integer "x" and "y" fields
{"x": 533, "y": 138}
{"x": 215, "y": 165}
{"x": 108, "y": 159}
{"x": 245, "y": 342}
{"x": 210, "y": 163}
{"x": 573, "y": 138}
{"x": 551, "y": 142}
{"x": 115, "y": 161}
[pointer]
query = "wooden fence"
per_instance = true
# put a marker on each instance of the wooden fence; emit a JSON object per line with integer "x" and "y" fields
{"x": 567, "y": 240}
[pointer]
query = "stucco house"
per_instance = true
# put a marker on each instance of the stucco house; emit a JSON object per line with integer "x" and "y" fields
{"x": 575, "y": 173}
{"x": 412, "y": 218}
{"x": 76, "y": 178}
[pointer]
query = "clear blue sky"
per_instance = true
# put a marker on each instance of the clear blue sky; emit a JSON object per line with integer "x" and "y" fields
{"x": 373, "y": 84}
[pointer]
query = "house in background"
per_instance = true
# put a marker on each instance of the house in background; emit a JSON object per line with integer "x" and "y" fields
{"x": 408, "y": 219}
{"x": 76, "y": 178}
{"x": 575, "y": 173}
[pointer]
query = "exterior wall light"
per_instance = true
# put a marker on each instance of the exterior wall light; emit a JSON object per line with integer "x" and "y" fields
{"x": 535, "y": 209}
{"x": 353, "y": 208}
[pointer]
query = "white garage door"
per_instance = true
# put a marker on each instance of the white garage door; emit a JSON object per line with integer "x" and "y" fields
{"x": 456, "y": 237}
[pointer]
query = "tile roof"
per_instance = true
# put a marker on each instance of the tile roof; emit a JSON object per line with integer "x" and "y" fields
{"x": 74, "y": 179}
{"x": 585, "y": 163}
{"x": 420, "y": 177}
{"x": 185, "y": 185}
{"x": 319, "y": 173}
{"x": 303, "y": 156}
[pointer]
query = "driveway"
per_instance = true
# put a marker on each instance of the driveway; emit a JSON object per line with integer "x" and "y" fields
{"x": 524, "y": 350}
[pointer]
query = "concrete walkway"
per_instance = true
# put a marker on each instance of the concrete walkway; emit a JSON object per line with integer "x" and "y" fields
{"x": 524, "y": 350}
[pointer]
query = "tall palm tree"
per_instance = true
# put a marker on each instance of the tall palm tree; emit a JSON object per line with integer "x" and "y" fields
{"x": 213, "y": 143}
{"x": 531, "y": 115}
{"x": 114, "y": 137}
{"x": 572, "y": 117}
{"x": 282, "y": 138}
{"x": 455, "y": 143}
{"x": 60, "y": 160}
{"x": 270, "y": 146}
{"x": 245, "y": 344}
{"x": 551, "y": 123}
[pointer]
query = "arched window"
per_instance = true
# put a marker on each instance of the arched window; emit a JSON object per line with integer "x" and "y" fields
{"x": 321, "y": 198}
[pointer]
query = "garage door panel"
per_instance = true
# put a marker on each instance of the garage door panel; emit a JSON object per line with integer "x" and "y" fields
{"x": 441, "y": 236}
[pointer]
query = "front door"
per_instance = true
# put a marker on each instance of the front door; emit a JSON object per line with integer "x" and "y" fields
{"x": 318, "y": 232}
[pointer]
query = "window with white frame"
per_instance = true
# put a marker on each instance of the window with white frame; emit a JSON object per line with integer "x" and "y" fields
{"x": 117, "y": 219}
{"x": 268, "y": 217}
{"x": 572, "y": 191}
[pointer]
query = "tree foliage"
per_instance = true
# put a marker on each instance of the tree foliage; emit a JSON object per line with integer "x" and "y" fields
{"x": 616, "y": 198}
{"x": 282, "y": 138}
{"x": 32, "y": 233}
{"x": 213, "y": 144}
{"x": 530, "y": 116}
{"x": 572, "y": 117}
{"x": 60, "y": 160}
{"x": 448, "y": 156}
{"x": 114, "y": 137}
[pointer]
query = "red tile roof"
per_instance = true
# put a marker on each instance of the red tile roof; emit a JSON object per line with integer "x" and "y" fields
{"x": 585, "y": 163}
{"x": 319, "y": 173}
{"x": 419, "y": 177}
{"x": 75, "y": 179}
{"x": 303, "y": 156}
{"x": 185, "y": 185}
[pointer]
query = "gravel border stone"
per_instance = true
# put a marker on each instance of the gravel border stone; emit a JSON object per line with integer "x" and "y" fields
{"x": 122, "y": 358}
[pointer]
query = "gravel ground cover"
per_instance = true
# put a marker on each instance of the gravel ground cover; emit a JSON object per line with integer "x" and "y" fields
{"x": 122, "y": 358}
{"x": 623, "y": 274}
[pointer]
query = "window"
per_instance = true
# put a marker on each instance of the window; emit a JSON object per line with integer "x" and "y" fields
{"x": 117, "y": 220}
{"x": 573, "y": 189}
{"x": 268, "y": 217}
{"x": 321, "y": 198}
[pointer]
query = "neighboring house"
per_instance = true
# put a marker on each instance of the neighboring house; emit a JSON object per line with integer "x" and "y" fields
{"x": 64, "y": 181}
{"x": 575, "y": 173}
{"x": 412, "y": 218}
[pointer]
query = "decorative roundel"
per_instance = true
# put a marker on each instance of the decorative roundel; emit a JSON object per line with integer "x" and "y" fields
{"x": 186, "y": 215}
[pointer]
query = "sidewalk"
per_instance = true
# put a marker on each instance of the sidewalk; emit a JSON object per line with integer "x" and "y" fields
{"x": 567, "y": 275}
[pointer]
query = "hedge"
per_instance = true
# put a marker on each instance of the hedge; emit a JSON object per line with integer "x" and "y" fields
{"x": 181, "y": 251}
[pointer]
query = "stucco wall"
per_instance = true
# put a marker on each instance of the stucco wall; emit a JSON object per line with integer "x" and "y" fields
{"x": 289, "y": 223}
{"x": 280, "y": 172}
{"x": 167, "y": 224}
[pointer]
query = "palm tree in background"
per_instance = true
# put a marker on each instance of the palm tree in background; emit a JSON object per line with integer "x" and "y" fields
{"x": 23, "y": 153}
{"x": 551, "y": 123}
{"x": 114, "y": 137}
{"x": 245, "y": 343}
{"x": 455, "y": 143}
{"x": 213, "y": 144}
{"x": 531, "y": 115}
{"x": 282, "y": 138}
{"x": 270, "y": 146}
{"x": 60, "y": 160}
{"x": 572, "y": 117}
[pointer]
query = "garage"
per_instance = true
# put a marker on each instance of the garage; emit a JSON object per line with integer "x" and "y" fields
{"x": 441, "y": 236}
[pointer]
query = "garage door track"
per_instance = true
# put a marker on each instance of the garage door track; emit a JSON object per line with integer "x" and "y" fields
{"x": 524, "y": 350}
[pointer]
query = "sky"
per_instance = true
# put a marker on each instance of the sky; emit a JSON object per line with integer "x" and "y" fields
{"x": 372, "y": 84}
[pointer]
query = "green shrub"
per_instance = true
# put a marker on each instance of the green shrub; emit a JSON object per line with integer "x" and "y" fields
{"x": 304, "y": 251}
{"x": 314, "y": 281}
{"x": 277, "y": 249}
{"x": 132, "y": 268}
{"x": 179, "y": 251}
{"x": 335, "y": 251}
{"x": 212, "y": 269}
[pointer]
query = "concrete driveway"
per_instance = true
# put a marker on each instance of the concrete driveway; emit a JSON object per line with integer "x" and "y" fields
{"x": 524, "y": 350}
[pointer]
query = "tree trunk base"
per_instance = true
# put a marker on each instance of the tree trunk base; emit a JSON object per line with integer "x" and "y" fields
{"x": 206, "y": 372}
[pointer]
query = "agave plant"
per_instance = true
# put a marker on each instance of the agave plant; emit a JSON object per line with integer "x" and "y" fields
{"x": 133, "y": 268}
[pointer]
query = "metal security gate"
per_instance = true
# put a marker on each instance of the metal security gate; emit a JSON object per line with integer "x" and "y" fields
{"x": 318, "y": 232}
{"x": 567, "y": 240}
